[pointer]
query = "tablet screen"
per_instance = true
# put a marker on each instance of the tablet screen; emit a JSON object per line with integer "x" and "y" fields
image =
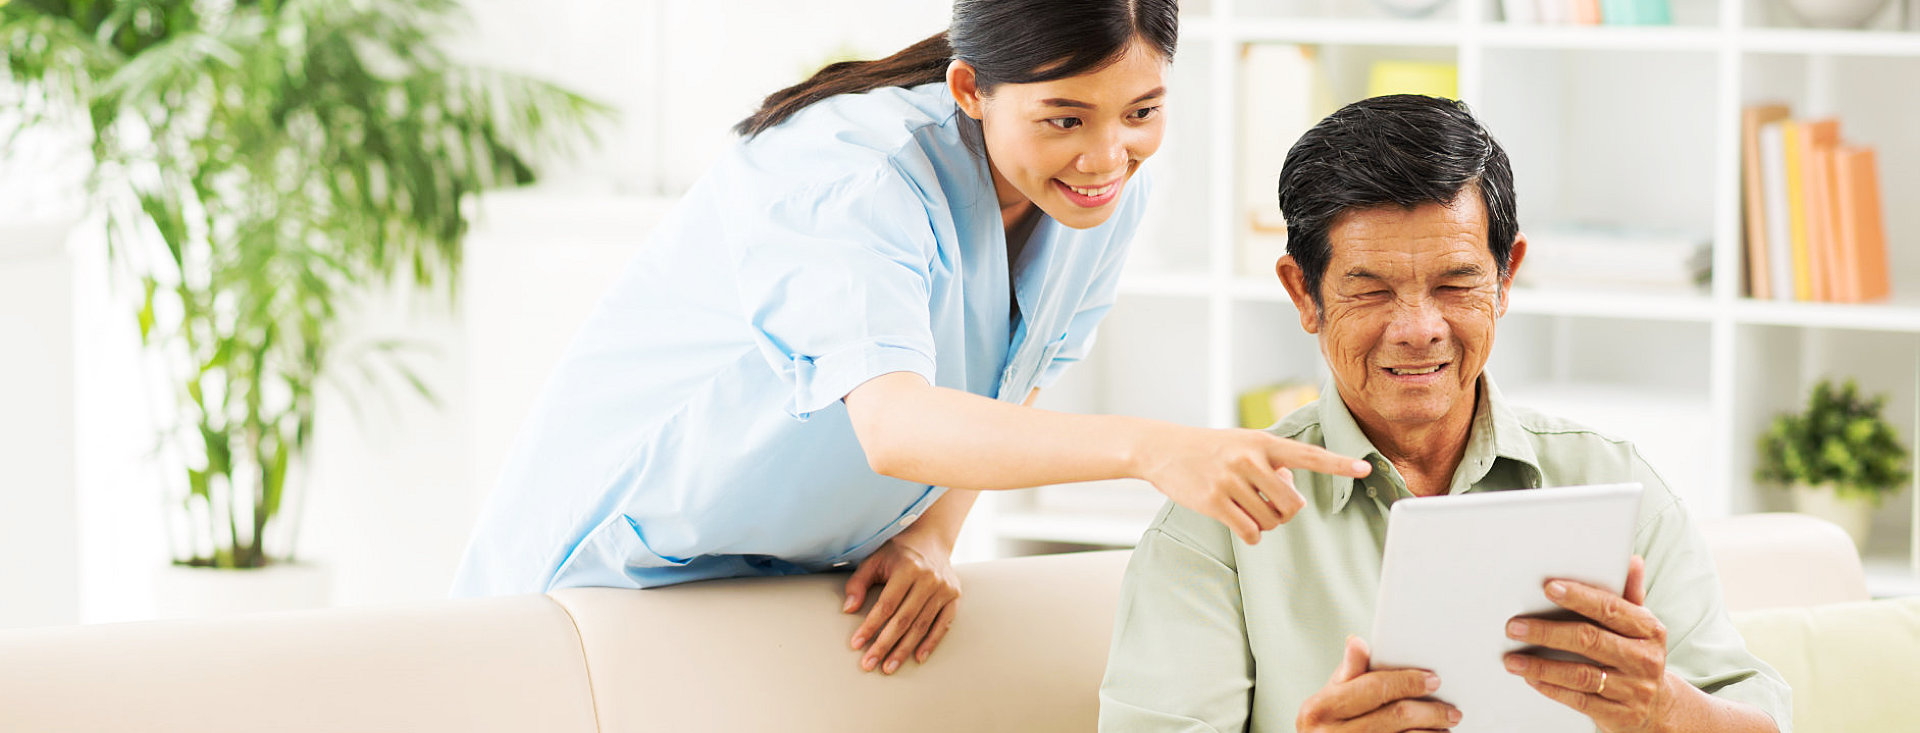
{"x": 1456, "y": 568}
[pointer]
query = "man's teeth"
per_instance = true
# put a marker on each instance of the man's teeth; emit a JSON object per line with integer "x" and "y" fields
{"x": 1092, "y": 192}
{"x": 1421, "y": 370}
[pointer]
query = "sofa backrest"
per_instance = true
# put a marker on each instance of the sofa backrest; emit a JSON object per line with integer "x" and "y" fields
{"x": 503, "y": 664}
{"x": 1783, "y": 560}
{"x": 1852, "y": 666}
{"x": 1026, "y": 653}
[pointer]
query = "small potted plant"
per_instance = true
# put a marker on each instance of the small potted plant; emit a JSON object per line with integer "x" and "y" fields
{"x": 1840, "y": 458}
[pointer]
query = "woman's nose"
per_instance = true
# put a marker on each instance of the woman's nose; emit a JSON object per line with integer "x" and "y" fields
{"x": 1108, "y": 156}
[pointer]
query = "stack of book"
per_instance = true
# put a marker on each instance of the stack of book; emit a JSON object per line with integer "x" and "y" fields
{"x": 1587, "y": 12}
{"x": 1814, "y": 228}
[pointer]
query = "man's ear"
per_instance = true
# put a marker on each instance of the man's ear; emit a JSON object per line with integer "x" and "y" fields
{"x": 964, "y": 84}
{"x": 1295, "y": 280}
{"x": 1513, "y": 267}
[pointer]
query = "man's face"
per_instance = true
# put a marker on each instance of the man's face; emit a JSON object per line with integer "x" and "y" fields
{"x": 1410, "y": 299}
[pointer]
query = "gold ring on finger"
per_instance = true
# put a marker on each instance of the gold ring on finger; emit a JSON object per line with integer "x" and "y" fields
{"x": 1603, "y": 683}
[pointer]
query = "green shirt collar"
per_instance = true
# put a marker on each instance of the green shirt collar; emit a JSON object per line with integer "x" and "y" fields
{"x": 1495, "y": 434}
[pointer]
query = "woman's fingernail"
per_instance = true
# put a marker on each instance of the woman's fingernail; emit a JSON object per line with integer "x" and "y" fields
{"x": 1433, "y": 682}
{"x": 893, "y": 665}
{"x": 1516, "y": 664}
{"x": 1556, "y": 590}
{"x": 1453, "y": 716}
{"x": 868, "y": 663}
{"x": 1516, "y": 628}
{"x": 921, "y": 658}
{"x": 859, "y": 641}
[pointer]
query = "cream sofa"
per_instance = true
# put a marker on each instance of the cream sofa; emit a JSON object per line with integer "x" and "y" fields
{"x": 770, "y": 654}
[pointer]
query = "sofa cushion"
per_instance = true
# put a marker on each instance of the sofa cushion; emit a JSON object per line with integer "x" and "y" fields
{"x": 1852, "y": 666}
{"x": 503, "y": 664}
{"x": 1026, "y": 653}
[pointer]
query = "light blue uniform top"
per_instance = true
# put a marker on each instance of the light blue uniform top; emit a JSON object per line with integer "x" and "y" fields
{"x": 694, "y": 429}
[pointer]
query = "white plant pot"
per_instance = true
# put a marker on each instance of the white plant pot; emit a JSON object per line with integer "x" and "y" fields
{"x": 1853, "y": 515}
{"x": 182, "y": 591}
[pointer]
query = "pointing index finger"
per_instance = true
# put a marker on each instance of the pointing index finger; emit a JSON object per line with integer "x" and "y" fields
{"x": 1295, "y": 454}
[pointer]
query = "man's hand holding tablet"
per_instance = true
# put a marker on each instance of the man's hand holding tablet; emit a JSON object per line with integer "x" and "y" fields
{"x": 1628, "y": 689}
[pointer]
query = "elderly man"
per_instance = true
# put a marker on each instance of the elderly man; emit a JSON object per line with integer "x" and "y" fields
{"x": 1402, "y": 242}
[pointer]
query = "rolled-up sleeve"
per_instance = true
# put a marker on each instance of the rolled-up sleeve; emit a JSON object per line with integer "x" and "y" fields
{"x": 1180, "y": 659}
{"x": 1683, "y": 590}
{"x": 835, "y": 280}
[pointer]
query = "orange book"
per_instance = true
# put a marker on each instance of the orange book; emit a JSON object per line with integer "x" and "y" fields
{"x": 1818, "y": 138}
{"x": 1586, "y": 12}
{"x": 1862, "y": 228}
{"x": 1758, "y": 285}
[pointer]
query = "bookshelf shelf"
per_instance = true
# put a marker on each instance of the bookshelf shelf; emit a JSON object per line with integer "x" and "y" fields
{"x": 1356, "y": 32}
{"x": 1896, "y": 317}
{"x": 1831, "y": 42}
{"x": 1633, "y": 128}
{"x": 1603, "y": 37}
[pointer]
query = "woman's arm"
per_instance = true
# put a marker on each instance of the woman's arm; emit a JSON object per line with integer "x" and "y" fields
{"x": 915, "y": 431}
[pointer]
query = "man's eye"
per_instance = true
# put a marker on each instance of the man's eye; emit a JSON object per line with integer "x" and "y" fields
{"x": 1065, "y": 123}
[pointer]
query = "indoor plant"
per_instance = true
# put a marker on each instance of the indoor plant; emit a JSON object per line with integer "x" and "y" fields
{"x": 1840, "y": 457}
{"x": 259, "y": 164}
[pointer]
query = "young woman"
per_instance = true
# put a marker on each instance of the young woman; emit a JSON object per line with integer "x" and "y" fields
{"x": 837, "y": 336}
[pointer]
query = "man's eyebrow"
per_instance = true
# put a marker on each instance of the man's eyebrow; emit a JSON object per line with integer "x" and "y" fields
{"x": 1361, "y": 273}
{"x": 1077, "y": 104}
{"x": 1467, "y": 270}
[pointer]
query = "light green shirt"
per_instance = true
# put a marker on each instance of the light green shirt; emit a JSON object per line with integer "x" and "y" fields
{"x": 1217, "y": 635}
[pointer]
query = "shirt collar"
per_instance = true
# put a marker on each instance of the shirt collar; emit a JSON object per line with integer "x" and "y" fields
{"x": 1496, "y": 433}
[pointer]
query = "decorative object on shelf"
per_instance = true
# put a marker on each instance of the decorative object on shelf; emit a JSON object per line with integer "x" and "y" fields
{"x": 1430, "y": 78}
{"x": 1261, "y": 407}
{"x": 1840, "y": 457}
{"x": 261, "y": 166}
{"x": 1282, "y": 92}
{"x": 1410, "y": 9}
{"x": 1835, "y": 13}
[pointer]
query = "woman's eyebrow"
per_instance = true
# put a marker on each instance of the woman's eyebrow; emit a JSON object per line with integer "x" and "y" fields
{"x": 1077, "y": 104}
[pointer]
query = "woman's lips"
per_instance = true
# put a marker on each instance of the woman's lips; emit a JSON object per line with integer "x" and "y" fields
{"x": 1094, "y": 196}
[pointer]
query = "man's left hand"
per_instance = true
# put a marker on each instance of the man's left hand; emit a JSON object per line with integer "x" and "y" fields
{"x": 916, "y": 604}
{"x": 1629, "y": 690}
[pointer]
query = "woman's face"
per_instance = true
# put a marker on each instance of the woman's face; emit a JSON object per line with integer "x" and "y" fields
{"x": 1070, "y": 145}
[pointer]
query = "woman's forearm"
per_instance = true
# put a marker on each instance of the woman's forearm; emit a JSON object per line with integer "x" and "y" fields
{"x": 918, "y": 432}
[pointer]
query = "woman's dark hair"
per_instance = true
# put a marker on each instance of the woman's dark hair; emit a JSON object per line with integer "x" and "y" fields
{"x": 1006, "y": 42}
{"x": 1401, "y": 149}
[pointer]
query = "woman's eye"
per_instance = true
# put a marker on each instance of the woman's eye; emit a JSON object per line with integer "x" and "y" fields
{"x": 1065, "y": 123}
{"x": 1145, "y": 113}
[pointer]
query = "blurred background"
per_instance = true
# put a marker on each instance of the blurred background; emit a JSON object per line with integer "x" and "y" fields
{"x": 285, "y": 277}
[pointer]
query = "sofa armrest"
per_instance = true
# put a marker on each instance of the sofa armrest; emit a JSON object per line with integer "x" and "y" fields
{"x": 1782, "y": 560}
{"x": 1852, "y": 666}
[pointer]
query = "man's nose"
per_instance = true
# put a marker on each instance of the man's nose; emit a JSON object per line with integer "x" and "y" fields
{"x": 1418, "y": 324}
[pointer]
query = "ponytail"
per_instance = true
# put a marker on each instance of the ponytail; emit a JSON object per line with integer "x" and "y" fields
{"x": 921, "y": 63}
{"x": 1006, "y": 42}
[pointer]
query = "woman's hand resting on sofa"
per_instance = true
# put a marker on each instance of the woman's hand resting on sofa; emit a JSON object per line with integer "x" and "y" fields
{"x": 918, "y": 597}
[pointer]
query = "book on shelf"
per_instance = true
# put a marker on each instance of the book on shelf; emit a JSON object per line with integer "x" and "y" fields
{"x": 1601, "y": 258}
{"x": 1860, "y": 225}
{"x": 1758, "y": 275}
{"x": 1587, "y": 12}
{"x": 1815, "y": 230}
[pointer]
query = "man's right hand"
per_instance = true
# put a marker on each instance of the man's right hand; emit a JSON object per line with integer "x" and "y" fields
{"x": 1384, "y": 702}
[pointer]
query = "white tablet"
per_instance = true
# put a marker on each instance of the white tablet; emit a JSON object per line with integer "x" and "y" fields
{"x": 1458, "y": 567}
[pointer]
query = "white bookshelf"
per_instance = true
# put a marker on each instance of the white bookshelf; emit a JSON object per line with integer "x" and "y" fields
{"x": 1621, "y": 125}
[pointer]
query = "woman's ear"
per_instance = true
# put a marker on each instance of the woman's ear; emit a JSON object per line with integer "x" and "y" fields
{"x": 964, "y": 84}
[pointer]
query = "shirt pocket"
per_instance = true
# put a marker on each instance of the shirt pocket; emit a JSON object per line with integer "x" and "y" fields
{"x": 1025, "y": 372}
